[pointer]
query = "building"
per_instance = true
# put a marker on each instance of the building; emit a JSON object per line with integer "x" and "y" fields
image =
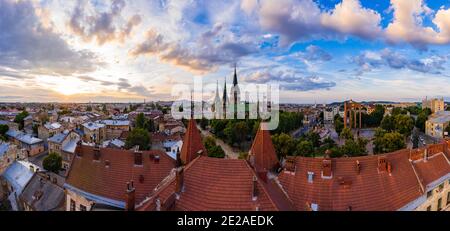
{"x": 329, "y": 114}
{"x": 404, "y": 180}
{"x": 98, "y": 177}
{"x": 434, "y": 104}
{"x": 437, "y": 123}
{"x": 94, "y": 132}
{"x": 8, "y": 154}
{"x": 64, "y": 144}
{"x": 29, "y": 144}
{"x": 43, "y": 192}
{"x": 114, "y": 128}
{"x": 49, "y": 129}
{"x": 15, "y": 178}
{"x": 10, "y": 124}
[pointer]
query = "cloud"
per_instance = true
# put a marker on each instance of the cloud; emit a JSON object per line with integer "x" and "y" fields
{"x": 25, "y": 44}
{"x": 290, "y": 80}
{"x": 369, "y": 60}
{"x": 304, "y": 20}
{"x": 204, "y": 56}
{"x": 315, "y": 53}
{"x": 407, "y": 25}
{"x": 101, "y": 26}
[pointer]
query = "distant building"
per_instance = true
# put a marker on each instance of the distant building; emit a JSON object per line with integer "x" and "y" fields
{"x": 434, "y": 104}
{"x": 64, "y": 144}
{"x": 31, "y": 145}
{"x": 8, "y": 154}
{"x": 329, "y": 114}
{"x": 94, "y": 132}
{"x": 43, "y": 192}
{"x": 436, "y": 124}
{"x": 49, "y": 129}
{"x": 114, "y": 128}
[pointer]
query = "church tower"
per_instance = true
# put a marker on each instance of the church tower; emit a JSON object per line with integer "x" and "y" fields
{"x": 235, "y": 93}
{"x": 217, "y": 105}
{"x": 225, "y": 100}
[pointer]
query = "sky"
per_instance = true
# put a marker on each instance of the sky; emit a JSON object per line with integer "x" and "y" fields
{"x": 316, "y": 50}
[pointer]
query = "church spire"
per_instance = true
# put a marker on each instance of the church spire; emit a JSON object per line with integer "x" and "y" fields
{"x": 235, "y": 82}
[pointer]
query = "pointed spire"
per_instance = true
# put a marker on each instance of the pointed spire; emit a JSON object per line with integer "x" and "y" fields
{"x": 224, "y": 98}
{"x": 192, "y": 143}
{"x": 235, "y": 82}
{"x": 192, "y": 106}
{"x": 263, "y": 152}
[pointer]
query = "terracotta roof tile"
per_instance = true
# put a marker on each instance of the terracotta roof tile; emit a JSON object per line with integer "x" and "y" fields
{"x": 367, "y": 190}
{"x": 192, "y": 143}
{"x": 263, "y": 152}
{"x": 432, "y": 169}
{"x": 110, "y": 182}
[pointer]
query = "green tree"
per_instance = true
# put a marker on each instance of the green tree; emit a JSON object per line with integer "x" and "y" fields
{"x": 305, "y": 148}
{"x": 138, "y": 136}
{"x": 385, "y": 142}
{"x": 314, "y": 137}
{"x": 284, "y": 144}
{"x": 3, "y": 129}
{"x": 338, "y": 124}
{"x": 421, "y": 119}
{"x": 140, "y": 121}
{"x": 388, "y": 123}
{"x": 404, "y": 124}
{"x": 355, "y": 147}
{"x": 212, "y": 148}
{"x": 20, "y": 118}
{"x": 52, "y": 162}
{"x": 346, "y": 134}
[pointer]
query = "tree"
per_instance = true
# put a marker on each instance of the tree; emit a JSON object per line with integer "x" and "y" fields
{"x": 388, "y": 141}
{"x": 346, "y": 134}
{"x": 140, "y": 121}
{"x": 89, "y": 108}
{"x": 355, "y": 147}
{"x": 314, "y": 137}
{"x": 212, "y": 148}
{"x": 421, "y": 119}
{"x": 138, "y": 136}
{"x": 3, "y": 129}
{"x": 388, "y": 123}
{"x": 338, "y": 124}
{"x": 404, "y": 124}
{"x": 20, "y": 118}
{"x": 284, "y": 144}
{"x": 415, "y": 139}
{"x": 305, "y": 148}
{"x": 52, "y": 162}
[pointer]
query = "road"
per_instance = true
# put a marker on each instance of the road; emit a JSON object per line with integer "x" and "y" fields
{"x": 229, "y": 151}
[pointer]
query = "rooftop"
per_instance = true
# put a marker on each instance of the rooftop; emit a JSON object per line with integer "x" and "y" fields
{"x": 42, "y": 194}
{"x": 440, "y": 117}
{"x": 22, "y": 137}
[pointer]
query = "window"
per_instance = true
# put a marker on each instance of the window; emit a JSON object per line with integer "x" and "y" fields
{"x": 448, "y": 198}
{"x": 439, "y": 205}
{"x": 429, "y": 208}
{"x": 441, "y": 187}
{"x": 72, "y": 205}
{"x": 82, "y": 208}
{"x": 429, "y": 193}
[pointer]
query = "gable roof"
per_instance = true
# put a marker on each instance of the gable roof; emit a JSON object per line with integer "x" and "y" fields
{"x": 432, "y": 169}
{"x": 369, "y": 190}
{"x": 192, "y": 143}
{"x": 214, "y": 184}
{"x": 95, "y": 178}
{"x": 262, "y": 150}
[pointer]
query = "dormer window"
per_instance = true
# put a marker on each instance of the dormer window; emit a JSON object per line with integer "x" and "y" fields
{"x": 310, "y": 177}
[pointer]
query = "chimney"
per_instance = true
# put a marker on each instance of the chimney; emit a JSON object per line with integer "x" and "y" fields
{"x": 358, "y": 167}
{"x": 137, "y": 158}
{"x": 179, "y": 184}
{"x": 78, "y": 149}
{"x": 130, "y": 197}
{"x": 255, "y": 189}
{"x": 382, "y": 164}
{"x": 96, "y": 153}
{"x": 327, "y": 172}
{"x": 179, "y": 162}
{"x": 156, "y": 159}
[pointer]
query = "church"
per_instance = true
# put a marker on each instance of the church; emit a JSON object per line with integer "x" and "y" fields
{"x": 226, "y": 107}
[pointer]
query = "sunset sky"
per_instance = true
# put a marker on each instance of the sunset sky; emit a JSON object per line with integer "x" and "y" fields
{"x": 318, "y": 51}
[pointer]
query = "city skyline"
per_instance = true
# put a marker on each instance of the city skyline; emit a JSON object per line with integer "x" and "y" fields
{"x": 318, "y": 51}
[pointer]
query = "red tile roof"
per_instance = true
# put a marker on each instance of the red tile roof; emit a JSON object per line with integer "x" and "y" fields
{"x": 263, "y": 152}
{"x": 192, "y": 143}
{"x": 367, "y": 190}
{"x": 110, "y": 182}
{"x": 217, "y": 184}
{"x": 432, "y": 169}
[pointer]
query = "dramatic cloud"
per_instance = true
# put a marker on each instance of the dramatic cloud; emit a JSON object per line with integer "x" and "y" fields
{"x": 373, "y": 60}
{"x": 315, "y": 53}
{"x": 204, "y": 56}
{"x": 303, "y": 19}
{"x": 101, "y": 25}
{"x": 122, "y": 85}
{"x": 407, "y": 25}
{"x": 25, "y": 44}
{"x": 290, "y": 80}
